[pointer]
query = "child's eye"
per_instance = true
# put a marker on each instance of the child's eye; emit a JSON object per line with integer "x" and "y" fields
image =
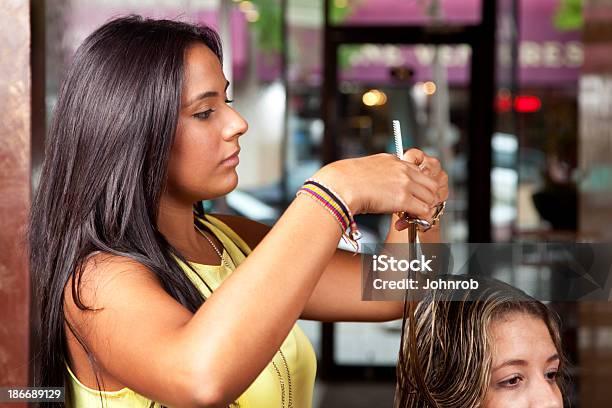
{"x": 203, "y": 115}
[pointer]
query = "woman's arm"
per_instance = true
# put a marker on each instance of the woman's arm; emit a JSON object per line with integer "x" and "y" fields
{"x": 337, "y": 295}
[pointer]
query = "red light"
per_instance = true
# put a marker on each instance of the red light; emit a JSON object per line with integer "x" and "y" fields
{"x": 503, "y": 103}
{"x": 527, "y": 104}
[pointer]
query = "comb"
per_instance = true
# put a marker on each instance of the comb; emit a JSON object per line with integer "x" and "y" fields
{"x": 397, "y": 134}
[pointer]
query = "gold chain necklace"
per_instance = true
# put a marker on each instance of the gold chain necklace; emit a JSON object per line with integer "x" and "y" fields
{"x": 278, "y": 373}
{"x": 214, "y": 247}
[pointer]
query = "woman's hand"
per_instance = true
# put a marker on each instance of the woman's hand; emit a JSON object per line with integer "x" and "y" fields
{"x": 430, "y": 166}
{"x": 382, "y": 183}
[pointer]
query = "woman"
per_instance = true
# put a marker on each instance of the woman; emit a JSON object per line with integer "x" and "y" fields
{"x": 125, "y": 267}
{"x": 493, "y": 347}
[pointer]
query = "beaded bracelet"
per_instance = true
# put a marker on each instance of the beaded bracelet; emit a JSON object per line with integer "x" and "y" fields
{"x": 334, "y": 204}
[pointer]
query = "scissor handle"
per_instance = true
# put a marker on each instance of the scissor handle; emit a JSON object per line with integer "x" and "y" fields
{"x": 424, "y": 225}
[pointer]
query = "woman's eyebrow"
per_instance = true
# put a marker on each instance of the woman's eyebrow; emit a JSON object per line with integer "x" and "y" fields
{"x": 553, "y": 358}
{"x": 513, "y": 362}
{"x": 206, "y": 94}
{"x": 519, "y": 362}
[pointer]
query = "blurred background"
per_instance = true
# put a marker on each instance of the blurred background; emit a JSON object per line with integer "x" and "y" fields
{"x": 513, "y": 96}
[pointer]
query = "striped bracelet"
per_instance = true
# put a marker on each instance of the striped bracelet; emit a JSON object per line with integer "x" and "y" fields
{"x": 334, "y": 204}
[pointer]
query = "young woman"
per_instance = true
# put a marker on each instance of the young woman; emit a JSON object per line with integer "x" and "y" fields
{"x": 494, "y": 347}
{"x": 145, "y": 301}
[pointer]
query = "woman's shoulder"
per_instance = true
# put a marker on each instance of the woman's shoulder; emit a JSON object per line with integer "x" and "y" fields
{"x": 100, "y": 271}
{"x": 100, "y": 263}
{"x": 252, "y": 232}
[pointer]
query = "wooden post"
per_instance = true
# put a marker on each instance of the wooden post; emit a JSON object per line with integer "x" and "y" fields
{"x": 15, "y": 165}
{"x": 595, "y": 216}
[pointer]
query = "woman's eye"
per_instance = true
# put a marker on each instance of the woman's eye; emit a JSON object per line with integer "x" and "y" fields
{"x": 206, "y": 114}
{"x": 203, "y": 115}
{"x": 511, "y": 382}
{"x": 551, "y": 375}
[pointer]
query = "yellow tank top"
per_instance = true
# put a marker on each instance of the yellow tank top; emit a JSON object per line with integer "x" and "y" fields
{"x": 265, "y": 391}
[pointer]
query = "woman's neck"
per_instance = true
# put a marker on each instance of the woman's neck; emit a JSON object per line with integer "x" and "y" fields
{"x": 175, "y": 222}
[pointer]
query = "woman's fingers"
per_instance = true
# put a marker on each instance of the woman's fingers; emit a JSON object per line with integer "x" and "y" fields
{"x": 417, "y": 207}
{"x": 428, "y": 185}
{"x": 401, "y": 225}
{"x": 414, "y": 156}
{"x": 425, "y": 193}
{"x": 429, "y": 166}
{"x": 442, "y": 179}
{"x": 419, "y": 178}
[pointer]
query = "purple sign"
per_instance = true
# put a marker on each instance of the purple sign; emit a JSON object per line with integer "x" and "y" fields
{"x": 547, "y": 55}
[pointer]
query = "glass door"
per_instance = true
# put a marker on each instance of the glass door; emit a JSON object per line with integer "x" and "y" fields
{"x": 427, "y": 88}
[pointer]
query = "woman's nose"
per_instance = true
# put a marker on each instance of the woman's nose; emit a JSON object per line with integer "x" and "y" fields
{"x": 236, "y": 125}
{"x": 546, "y": 395}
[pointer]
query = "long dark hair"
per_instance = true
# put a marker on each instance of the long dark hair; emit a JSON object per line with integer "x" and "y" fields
{"x": 105, "y": 166}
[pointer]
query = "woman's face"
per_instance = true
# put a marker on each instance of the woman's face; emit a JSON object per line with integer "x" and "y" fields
{"x": 525, "y": 365}
{"x": 207, "y": 133}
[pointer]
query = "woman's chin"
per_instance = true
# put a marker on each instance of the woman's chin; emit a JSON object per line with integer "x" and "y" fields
{"x": 232, "y": 183}
{"x": 227, "y": 185}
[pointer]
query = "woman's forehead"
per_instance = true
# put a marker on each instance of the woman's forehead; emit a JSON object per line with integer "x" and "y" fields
{"x": 521, "y": 335}
{"x": 203, "y": 71}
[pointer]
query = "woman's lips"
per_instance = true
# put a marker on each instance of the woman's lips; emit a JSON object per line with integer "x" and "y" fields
{"x": 233, "y": 160}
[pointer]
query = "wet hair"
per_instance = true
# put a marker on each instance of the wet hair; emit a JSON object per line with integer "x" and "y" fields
{"x": 446, "y": 347}
{"x": 105, "y": 167}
